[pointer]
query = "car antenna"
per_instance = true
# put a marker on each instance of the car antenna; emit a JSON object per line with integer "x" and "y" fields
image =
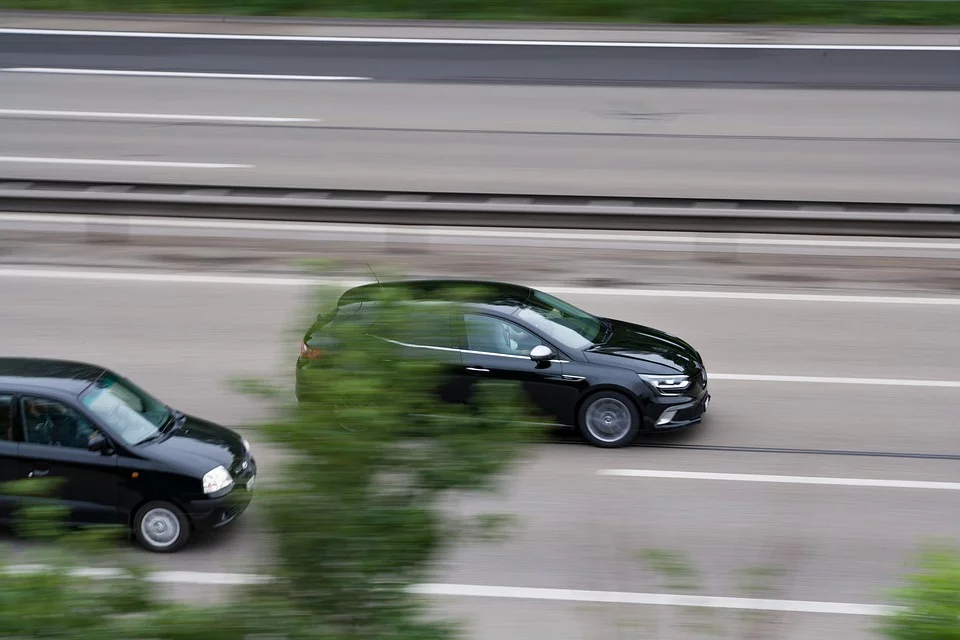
{"x": 375, "y": 275}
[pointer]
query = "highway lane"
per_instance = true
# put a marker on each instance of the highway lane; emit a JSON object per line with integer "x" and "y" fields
{"x": 496, "y": 64}
{"x": 576, "y": 529}
{"x": 842, "y": 145}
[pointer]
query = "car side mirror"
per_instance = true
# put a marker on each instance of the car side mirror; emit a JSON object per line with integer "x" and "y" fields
{"x": 541, "y": 353}
{"x": 98, "y": 444}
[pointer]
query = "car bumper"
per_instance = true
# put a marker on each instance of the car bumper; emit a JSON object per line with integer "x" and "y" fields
{"x": 678, "y": 416}
{"x": 207, "y": 515}
{"x": 214, "y": 513}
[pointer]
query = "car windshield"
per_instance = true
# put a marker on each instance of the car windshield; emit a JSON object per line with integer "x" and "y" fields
{"x": 129, "y": 412}
{"x": 561, "y": 321}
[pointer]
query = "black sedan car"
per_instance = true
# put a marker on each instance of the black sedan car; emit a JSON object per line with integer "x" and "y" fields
{"x": 610, "y": 379}
{"x": 123, "y": 457}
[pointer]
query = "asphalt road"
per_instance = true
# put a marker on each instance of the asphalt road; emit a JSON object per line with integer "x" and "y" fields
{"x": 839, "y": 144}
{"x": 492, "y": 64}
{"x": 576, "y": 529}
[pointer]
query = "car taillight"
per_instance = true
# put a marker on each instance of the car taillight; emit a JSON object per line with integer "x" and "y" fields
{"x": 309, "y": 352}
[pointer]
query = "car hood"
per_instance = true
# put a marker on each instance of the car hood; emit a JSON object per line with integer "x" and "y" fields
{"x": 198, "y": 446}
{"x": 645, "y": 349}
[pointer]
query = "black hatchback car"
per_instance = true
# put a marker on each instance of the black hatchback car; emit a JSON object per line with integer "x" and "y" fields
{"x": 610, "y": 379}
{"x": 122, "y": 456}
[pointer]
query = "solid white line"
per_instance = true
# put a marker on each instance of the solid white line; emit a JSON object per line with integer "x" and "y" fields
{"x": 124, "y": 163}
{"x": 661, "y": 599}
{"x": 162, "y": 577}
{"x": 742, "y": 477}
{"x": 468, "y": 41}
{"x": 148, "y": 116}
{"x": 294, "y": 281}
{"x": 532, "y": 234}
{"x": 515, "y": 593}
{"x": 175, "y": 74}
{"x": 176, "y": 278}
{"x": 888, "y": 382}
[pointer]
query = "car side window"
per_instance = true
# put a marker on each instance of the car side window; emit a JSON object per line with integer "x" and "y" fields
{"x": 496, "y": 335}
{"x": 421, "y": 329}
{"x": 52, "y": 423}
{"x": 6, "y": 418}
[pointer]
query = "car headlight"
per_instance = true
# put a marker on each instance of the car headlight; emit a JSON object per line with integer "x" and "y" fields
{"x": 216, "y": 479}
{"x": 667, "y": 385}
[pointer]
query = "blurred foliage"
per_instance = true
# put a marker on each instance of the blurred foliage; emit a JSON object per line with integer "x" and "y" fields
{"x": 930, "y": 601}
{"x": 51, "y": 591}
{"x": 363, "y": 506}
{"x": 875, "y": 12}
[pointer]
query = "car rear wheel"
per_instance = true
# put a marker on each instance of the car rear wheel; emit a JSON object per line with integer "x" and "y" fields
{"x": 609, "y": 419}
{"x": 161, "y": 527}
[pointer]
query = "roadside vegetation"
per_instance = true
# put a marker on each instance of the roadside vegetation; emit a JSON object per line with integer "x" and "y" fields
{"x": 929, "y": 601}
{"x": 360, "y": 511}
{"x": 791, "y": 12}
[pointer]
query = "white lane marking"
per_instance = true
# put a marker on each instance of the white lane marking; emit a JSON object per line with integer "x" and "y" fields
{"x": 163, "y": 577}
{"x": 295, "y": 281}
{"x": 522, "y": 593}
{"x": 123, "y": 163}
{"x": 815, "y": 480}
{"x": 889, "y": 382}
{"x": 661, "y": 599}
{"x": 176, "y": 278}
{"x": 176, "y": 74}
{"x": 454, "y": 232}
{"x": 468, "y": 41}
{"x": 149, "y": 116}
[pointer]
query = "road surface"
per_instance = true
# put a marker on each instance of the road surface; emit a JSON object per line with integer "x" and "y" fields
{"x": 806, "y": 124}
{"x": 865, "y": 411}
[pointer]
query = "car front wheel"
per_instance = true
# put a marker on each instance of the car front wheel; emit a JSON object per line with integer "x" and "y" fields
{"x": 609, "y": 419}
{"x": 161, "y": 527}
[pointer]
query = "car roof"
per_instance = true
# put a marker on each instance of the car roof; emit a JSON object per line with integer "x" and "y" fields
{"x": 44, "y": 373}
{"x": 477, "y": 293}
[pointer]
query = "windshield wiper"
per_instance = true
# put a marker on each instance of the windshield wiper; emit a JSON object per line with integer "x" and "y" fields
{"x": 150, "y": 438}
{"x": 174, "y": 420}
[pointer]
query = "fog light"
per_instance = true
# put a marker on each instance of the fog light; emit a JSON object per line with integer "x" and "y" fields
{"x": 666, "y": 417}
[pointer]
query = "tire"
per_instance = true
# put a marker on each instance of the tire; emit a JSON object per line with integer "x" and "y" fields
{"x": 161, "y": 527}
{"x": 609, "y": 419}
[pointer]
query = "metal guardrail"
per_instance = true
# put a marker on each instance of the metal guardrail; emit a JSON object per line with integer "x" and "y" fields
{"x": 462, "y": 209}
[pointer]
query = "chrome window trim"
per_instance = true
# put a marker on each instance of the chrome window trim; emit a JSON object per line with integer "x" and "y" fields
{"x": 461, "y": 351}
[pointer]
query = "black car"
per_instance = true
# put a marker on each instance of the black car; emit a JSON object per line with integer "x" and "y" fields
{"x": 123, "y": 457}
{"x": 610, "y": 379}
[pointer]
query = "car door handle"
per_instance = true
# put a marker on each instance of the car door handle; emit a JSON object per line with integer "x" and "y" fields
{"x": 38, "y": 473}
{"x": 478, "y": 369}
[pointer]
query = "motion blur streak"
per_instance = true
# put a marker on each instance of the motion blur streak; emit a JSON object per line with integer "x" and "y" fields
{"x": 267, "y": 281}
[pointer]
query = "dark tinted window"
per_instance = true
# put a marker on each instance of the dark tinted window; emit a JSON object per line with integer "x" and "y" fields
{"x": 561, "y": 321}
{"x": 52, "y": 423}
{"x": 6, "y": 417}
{"x": 422, "y": 326}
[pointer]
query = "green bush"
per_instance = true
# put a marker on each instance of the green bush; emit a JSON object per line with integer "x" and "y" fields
{"x": 929, "y": 603}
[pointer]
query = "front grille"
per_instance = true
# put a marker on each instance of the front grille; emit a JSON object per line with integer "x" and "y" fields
{"x": 244, "y": 468}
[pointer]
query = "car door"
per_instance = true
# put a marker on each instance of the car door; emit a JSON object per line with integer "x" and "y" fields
{"x": 426, "y": 332}
{"x": 9, "y": 466}
{"x": 495, "y": 348}
{"x": 55, "y": 437}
